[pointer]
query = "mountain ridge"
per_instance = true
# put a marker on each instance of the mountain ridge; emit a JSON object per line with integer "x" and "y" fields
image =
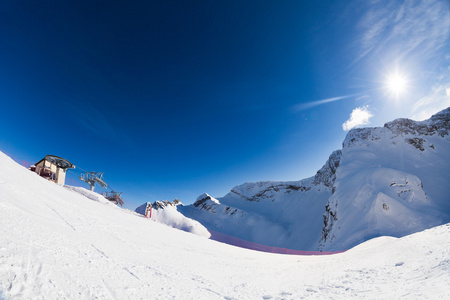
{"x": 388, "y": 180}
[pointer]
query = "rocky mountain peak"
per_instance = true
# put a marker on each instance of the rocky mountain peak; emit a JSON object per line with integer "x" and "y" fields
{"x": 442, "y": 117}
{"x": 205, "y": 200}
{"x": 437, "y": 124}
{"x": 165, "y": 203}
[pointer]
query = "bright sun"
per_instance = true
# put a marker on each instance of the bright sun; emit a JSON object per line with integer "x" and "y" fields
{"x": 397, "y": 83}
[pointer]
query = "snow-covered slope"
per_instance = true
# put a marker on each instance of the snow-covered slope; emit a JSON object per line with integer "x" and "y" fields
{"x": 392, "y": 180}
{"x": 87, "y": 193}
{"x": 58, "y": 244}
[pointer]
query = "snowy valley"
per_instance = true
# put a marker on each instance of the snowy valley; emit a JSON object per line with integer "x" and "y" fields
{"x": 391, "y": 180}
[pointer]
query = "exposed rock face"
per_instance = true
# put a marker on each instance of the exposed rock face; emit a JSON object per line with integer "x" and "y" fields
{"x": 327, "y": 175}
{"x": 417, "y": 142}
{"x": 329, "y": 217}
{"x": 361, "y": 137}
{"x": 206, "y": 202}
{"x": 161, "y": 204}
{"x": 437, "y": 124}
{"x": 165, "y": 203}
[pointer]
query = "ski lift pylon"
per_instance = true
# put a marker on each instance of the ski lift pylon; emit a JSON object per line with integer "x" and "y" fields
{"x": 93, "y": 177}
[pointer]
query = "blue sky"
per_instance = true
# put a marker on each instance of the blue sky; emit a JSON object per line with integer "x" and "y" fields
{"x": 171, "y": 99}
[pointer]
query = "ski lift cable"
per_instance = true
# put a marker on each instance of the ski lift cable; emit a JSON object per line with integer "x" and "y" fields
{"x": 72, "y": 172}
{"x": 76, "y": 167}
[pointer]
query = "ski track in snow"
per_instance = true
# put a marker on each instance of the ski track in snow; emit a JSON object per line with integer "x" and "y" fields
{"x": 57, "y": 244}
{"x": 62, "y": 218}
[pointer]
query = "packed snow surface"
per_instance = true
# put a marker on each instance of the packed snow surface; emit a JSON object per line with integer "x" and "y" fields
{"x": 56, "y": 243}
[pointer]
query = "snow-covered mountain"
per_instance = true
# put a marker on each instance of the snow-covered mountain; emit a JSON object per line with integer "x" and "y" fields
{"x": 57, "y": 243}
{"x": 393, "y": 180}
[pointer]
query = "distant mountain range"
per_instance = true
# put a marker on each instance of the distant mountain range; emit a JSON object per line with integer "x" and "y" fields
{"x": 392, "y": 180}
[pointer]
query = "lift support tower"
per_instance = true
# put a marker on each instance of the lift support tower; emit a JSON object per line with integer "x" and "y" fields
{"x": 93, "y": 177}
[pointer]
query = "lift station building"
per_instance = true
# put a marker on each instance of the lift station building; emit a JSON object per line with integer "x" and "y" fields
{"x": 52, "y": 168}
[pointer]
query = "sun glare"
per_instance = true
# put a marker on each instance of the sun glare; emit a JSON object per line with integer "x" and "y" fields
{"x": 397, "y": 83}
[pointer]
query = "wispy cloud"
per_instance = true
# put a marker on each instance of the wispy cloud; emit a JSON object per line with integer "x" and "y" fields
{"x": 359, "y": 116}
{"x": 437, "y": 100}
{"x": 438, "y": 97}
{"x": 419, "y": 26}
{"x": 308, "y": 105}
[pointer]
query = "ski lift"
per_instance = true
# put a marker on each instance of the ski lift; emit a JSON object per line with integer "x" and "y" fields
{"x": 114, "y": 197}
{"x": 93, "y": 177}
